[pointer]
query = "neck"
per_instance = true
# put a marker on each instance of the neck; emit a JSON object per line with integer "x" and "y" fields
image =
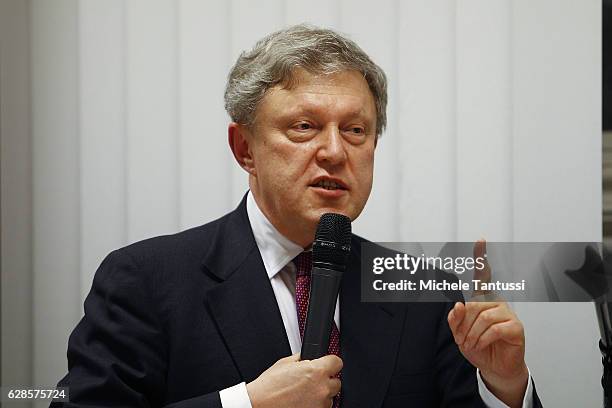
{"x": 294, "y": 232}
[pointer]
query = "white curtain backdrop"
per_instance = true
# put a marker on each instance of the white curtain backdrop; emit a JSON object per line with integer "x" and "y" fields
{"x": 113, "y": 130}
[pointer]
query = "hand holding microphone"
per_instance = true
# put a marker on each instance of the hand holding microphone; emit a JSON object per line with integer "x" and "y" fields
{"x": 294, "y": 383}
{"x": 307, "y": 380}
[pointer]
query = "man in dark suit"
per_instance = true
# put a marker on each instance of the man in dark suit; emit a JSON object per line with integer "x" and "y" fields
{"x": 207, "y": 317}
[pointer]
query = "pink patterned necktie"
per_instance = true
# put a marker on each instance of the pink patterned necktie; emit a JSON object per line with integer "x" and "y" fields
{"x": 303, "y": 263}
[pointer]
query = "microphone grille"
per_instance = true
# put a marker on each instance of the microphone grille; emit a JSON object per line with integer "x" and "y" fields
{"x": 332, "y": 244}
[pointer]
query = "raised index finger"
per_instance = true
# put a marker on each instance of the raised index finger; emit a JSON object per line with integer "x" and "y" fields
{"x": 472, "y": 310}
{"x": 456, "y": 316}
{"x": 482, "y": 274}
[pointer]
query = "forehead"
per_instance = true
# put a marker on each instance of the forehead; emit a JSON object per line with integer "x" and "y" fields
{"x": 345, "y": 92}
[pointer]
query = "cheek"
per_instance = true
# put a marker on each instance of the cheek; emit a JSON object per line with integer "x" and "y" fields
{"x": 291, "y": 162}
{"x": 365, "y": 170}
{"x": 283, "y": 170}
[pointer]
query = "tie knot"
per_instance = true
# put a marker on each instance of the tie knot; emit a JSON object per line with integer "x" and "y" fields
{"x": 303, "y": 263}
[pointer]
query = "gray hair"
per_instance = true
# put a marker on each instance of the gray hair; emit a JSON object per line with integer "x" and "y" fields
{"x": 317, "y": 50}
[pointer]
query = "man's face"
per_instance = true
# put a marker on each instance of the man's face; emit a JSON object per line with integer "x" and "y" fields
{"x": 312, "y": 148}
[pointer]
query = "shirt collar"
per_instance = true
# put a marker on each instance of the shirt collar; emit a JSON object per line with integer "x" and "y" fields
{"x": 276, "y": 250}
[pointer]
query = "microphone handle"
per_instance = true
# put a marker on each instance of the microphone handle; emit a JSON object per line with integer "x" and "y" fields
{"x": 324, "y": 287}
{"x": 602, "y": 307}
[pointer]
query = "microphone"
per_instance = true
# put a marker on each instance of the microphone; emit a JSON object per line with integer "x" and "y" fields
{"x": 603, "y": 309}
{"x": 330, "y": 251}
{"x": 593, "y": 277}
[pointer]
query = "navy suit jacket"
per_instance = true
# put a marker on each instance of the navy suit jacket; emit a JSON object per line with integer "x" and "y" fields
{"x": 172, "y": 320}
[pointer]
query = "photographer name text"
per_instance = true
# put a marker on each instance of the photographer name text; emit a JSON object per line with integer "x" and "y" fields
{"x": 445, "y": 285}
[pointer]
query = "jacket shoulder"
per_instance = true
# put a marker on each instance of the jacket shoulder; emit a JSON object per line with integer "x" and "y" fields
{"x": 187, "y": 244}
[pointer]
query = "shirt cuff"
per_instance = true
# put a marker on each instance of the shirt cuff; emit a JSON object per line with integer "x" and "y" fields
{"x": 491, "y": 401}
{"x": 235, "y": 397}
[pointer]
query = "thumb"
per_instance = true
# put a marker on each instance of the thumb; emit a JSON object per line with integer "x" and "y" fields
{"x": 289, "y": 359}
{"x": 293, "y": 358}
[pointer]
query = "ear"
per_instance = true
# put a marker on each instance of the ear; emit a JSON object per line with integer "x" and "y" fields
{"x": 240, "y": 140}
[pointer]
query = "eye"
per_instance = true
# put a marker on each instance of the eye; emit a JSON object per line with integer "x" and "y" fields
{"x": 302, "y": 130}
{"x": 302, "y": 126}
{"x": 356, "y": 130}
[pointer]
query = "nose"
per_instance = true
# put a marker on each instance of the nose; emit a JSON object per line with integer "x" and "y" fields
{"x": 332, "y": 149}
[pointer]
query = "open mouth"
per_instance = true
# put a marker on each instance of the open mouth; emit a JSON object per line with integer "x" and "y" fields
{"x": 328, "y": 184}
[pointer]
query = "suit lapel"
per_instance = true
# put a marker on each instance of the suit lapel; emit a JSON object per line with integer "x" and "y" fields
{"x": 242, "y": 302}
{"x": 244, "y": 308}
{"x": 369, "y": 336}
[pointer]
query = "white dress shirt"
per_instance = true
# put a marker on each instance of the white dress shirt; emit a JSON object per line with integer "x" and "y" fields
{"x": 277, "y": 252}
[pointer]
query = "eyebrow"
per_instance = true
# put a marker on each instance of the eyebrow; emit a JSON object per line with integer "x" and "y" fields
{"x": 309, "y": 109}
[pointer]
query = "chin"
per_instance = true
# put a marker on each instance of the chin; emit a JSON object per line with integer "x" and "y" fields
{"x": 334, "y": 210}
